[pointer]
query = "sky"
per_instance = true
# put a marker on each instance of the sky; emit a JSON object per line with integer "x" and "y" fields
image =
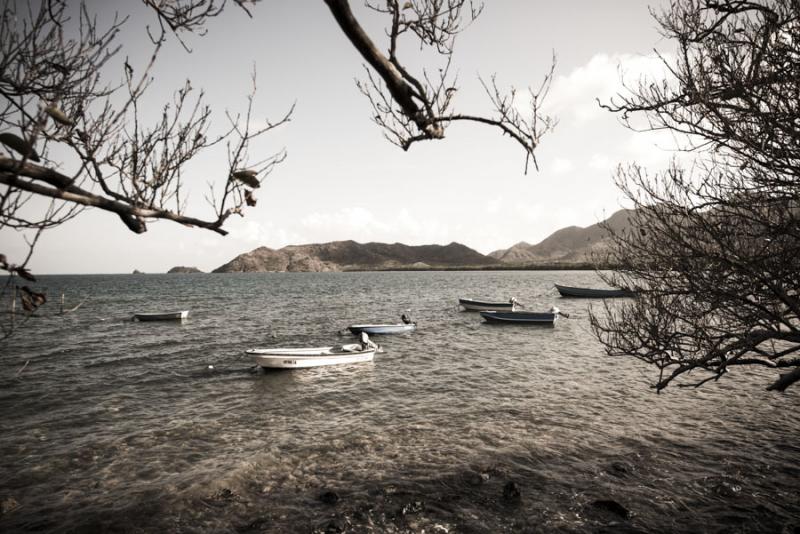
{"x": 342, "y": 179}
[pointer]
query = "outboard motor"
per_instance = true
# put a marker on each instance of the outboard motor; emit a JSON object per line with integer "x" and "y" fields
{"x": 405, "y": 318}
{"x": 366, "y": 343}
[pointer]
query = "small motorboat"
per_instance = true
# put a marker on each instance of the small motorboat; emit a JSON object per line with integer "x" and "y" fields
{"x": 589, "y": 293}
{"x": 522, "y": 317}
{"x": 480, "y": 305}
{"x": 406, "y": 326}
{"x": 168, "y": 316}
{"x": 298, "y": 358}
{"x": 382, "y": 328}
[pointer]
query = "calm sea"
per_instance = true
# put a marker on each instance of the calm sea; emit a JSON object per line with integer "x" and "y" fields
{"x": 462, "y": 426}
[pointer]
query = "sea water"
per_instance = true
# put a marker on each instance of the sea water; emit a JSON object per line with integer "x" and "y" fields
{"x": 108, "y": 424}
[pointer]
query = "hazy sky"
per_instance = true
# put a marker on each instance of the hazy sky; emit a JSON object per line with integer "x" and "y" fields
{"x": 342, "y": 180}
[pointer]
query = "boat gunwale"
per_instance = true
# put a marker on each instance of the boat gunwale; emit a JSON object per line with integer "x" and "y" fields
{"x": 306, "y": 352}
{"x": 506, "y": 304}
{"x": 393, "y": 325}
{"x": 164, "y": 316}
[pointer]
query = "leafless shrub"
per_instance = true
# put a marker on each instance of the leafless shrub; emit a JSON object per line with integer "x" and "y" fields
{"x": 715, "y": 248}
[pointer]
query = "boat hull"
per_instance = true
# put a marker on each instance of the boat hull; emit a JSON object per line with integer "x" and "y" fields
{"x": 520, "y": 317}
{"x": 588, "y": 293}
{"x": 170, "y": 316}
{"x": 288, "y": 358}
{"x": 478, "y": 305}
{"x": 382, "y": 328}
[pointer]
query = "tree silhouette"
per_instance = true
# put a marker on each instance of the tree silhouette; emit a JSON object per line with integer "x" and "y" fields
{"x": 715, "y": 248}
{"x": 71, "y": 137}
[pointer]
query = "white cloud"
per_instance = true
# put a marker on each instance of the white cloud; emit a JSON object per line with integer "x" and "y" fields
{"x": 361, "y": 224}
{"x": 257, "y": 233}
{"x": 575, "y": 95}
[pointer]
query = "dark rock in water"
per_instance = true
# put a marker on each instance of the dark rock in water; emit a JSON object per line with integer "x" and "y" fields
{"x": 619, "y": 528}
{"x": 137, "y": 271}
{"x": 725, "y": 487}
{"x": 329, "y": 497}
{"x": 473, "y": 478}
{"x": 511, "y": 493}
{"x": 225, "y": 495}
{"x": 334, "y": 526}
{"x": 620, "y": 469}
{"x": 9, "y": 504}
{"x": 183, "y": 270}
{"x": 259, "y": 525}
{"x": 613, "y": 507}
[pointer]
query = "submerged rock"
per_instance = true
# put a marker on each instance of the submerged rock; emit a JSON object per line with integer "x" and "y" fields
{"x": 334, "y": 526}
{"x": 611, "y": 506}
{"x": 225, "y": 495}
{"x": 9, "y": 504}
{"x": 474, "y": 478}
{"x": 258, "y": 525}
{"x": 620, "y": 469}
{"x": 511, "y": 493}
{"x": 725, "y": 486}
{"x": 329, "y": 497}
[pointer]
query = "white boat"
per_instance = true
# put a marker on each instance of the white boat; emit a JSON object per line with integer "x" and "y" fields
{"x": 168, "y": 316}
{"x": 406, "y": 326}
{"x": 382, "y": 328}
{"x": 299, "y": 358}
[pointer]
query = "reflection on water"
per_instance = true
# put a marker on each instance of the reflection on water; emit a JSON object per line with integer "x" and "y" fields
{"x": 460, "y": 426}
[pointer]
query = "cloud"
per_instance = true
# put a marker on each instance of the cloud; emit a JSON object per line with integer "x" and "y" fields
{"x": 602, "y": 162}
{"x": 651, "y": 149}
{"x": 254, "y": 232}
{"x": 574, "y": 96}
{"x": 362, "y": 225}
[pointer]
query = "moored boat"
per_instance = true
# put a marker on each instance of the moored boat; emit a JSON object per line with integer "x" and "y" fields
{"x": 521, "y": 317}
{"x": 398, "y": 328}
{"x": 162, "y": 316}
{"x": 590, "y": 293}
{"x": 382, "y": 328}
{"x": 482, "y": 305}
{"x": 298, "y": 358}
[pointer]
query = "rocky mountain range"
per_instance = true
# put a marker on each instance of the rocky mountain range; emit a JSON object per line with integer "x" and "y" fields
{"x": 571, "y": 247}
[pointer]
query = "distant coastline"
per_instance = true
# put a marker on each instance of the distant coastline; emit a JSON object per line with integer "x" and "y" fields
{"x": 497, "y": 267}
{"x": 571, "y": 248}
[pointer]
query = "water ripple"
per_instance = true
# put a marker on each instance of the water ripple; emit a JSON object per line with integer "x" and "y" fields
{"x": 117, "y": 424}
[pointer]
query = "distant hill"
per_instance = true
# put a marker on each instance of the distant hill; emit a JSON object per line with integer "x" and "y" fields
{"x": 571, "y": 245}
{"x": 352, "y": 256}
{"x": 183, "y": 270}
{"x": 569, "y": 248}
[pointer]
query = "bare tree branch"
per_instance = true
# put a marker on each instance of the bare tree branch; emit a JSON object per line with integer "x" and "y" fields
{"x": 70, "y": 136}
{"x": 715, "y": 249}
{"x": 413, "y": 108}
